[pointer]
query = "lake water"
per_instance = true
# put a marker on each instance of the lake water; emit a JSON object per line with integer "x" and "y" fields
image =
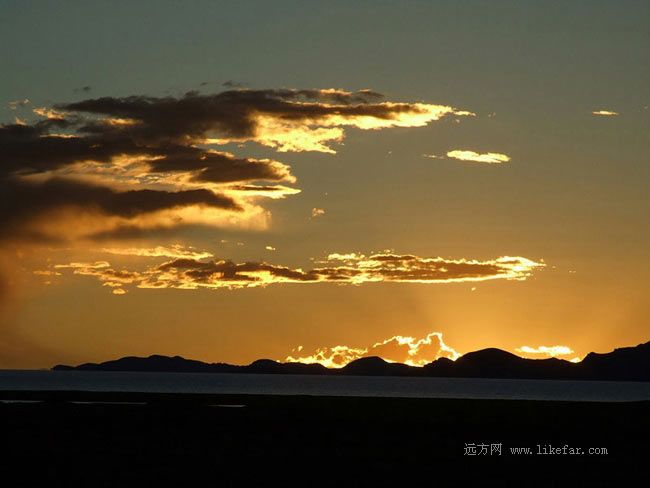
{"x": 275, "y": 384}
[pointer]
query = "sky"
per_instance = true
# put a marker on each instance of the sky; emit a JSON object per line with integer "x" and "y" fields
{"x": 320, "y": 181}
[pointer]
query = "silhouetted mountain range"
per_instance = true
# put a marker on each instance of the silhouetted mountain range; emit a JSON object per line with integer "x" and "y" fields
{"x": 624, "y": 364}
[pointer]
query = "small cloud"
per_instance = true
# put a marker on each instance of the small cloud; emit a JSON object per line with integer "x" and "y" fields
{"x": 317, "y": 212}
{"x": 473, "y": 156}
{"x": 548, "y": 351}
{"x": 16, "y": 104}
{"x": 49, "y": 113}
{"x": 83, "y": 89}
{"x": 173, "y": 251}
{"x": 465, "y": 113}
{"x": 114, "y": 279}
{"x": 46, "y": 272}
{"x": 269, "y": 248}
{"x": 95, "y": 265}
{"x": 233, "y": 84}
{"x": 605, "y": 113}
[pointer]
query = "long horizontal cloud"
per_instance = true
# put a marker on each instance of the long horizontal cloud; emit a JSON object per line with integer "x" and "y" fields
{"x": 547, "y": 351}
{"x": 42, "y": 148}
{"x": 605, "y": 113}
{"x": 174, "y": 251}
{"x": 285, "y": 119}
{"x": 355, "y": 269}
{"x": 149, "y": 162}
{"x": 114, "y": 279}
{"x": 474, "y": 157}
{"x": 28, "y": 208}
{"x": 50, "y": 194}
{"x": 400, "y": 349}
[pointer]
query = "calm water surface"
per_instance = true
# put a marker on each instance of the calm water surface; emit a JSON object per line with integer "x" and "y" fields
{"x": 276, "y": 384}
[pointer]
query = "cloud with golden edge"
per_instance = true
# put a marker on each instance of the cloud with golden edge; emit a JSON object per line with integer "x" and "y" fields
{"x": 317, "y": 212}
{"x": 351, "y": 269}
{"x": 605, "y": 113}
{"x": 49, "y": 113}
{"x": 16, "y": 104}
{"x": 173, "y": 251}
{"x": 107, "y": 167}
{"x": 101, "y": 270}
{"x": 397, "y": 349}
{"x": 474, "y": 157}
{"x": 547, "y": 351}
{"x": 84, "y": 266}
{"x": 46, "y": 272}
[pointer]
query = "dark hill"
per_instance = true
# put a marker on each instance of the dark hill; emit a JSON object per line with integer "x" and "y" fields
{"x": 376, "y": 366}
{"x": 631, "y": 363}
{"x": 624, "y": 364}
{"x": 495, "y": 363}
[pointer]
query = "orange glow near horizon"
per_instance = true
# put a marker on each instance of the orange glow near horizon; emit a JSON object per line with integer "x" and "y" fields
{"x": 409, "y": 351}
{"x": 396, "y": 349}
{"x": 126, "y": 221}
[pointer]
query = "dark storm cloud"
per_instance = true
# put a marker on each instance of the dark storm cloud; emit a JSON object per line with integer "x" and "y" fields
{"x": 32, "y": 149}
{"x": 218, "y": 167}
{"x": 228, "y": 271}
{"x": 135, "y": 232}
{"x": 168, "y": 129}
{"x": 63, "y": 140}
{"x": 90, "y": 153}
{"x": 232, "y": 113}
{"x": 23, "y": 200}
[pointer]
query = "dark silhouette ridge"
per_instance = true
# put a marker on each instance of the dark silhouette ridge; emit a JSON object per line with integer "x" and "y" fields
{"x": 376, "y": 366}
{"x": 624, "y": 364}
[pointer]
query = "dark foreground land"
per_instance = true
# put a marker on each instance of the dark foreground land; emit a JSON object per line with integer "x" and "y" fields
{"x": 194, "y": 440}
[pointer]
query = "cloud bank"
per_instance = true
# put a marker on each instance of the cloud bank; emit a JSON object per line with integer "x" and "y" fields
{"x": 407, "y": 350}
{"x": 102, "y": 165}
{"x": 398, "y": 349}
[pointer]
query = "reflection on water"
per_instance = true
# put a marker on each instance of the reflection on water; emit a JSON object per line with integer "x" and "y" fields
{"x": 276, "y": 384}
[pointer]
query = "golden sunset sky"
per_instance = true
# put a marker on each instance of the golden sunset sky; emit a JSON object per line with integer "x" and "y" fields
{"x": 319, "y": 181}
